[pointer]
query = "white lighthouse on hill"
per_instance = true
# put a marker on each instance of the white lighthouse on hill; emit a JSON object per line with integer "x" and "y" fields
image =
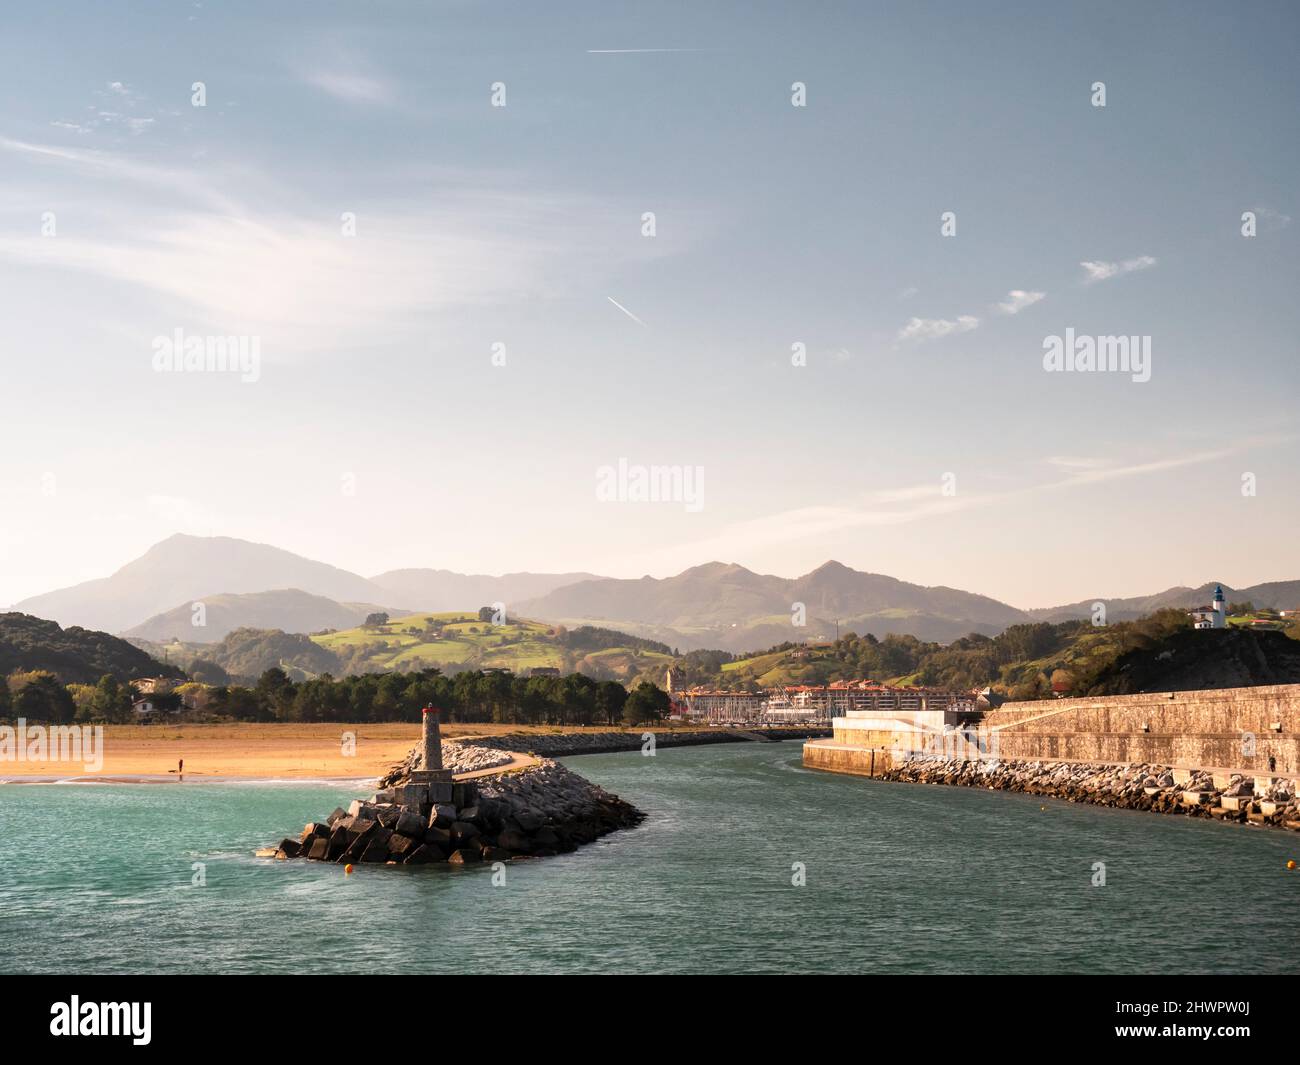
{"x": 1214, "y": 616}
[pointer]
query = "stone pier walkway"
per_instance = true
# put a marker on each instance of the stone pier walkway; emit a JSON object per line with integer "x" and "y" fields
{"x": 517, "y": 761}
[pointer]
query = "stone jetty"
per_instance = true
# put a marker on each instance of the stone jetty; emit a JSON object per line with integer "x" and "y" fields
{"x": 1157, "y": 788}
{"x": 421, "y": 815}
{"x": 562, "y": 744}
{"x": 456, "y": 756}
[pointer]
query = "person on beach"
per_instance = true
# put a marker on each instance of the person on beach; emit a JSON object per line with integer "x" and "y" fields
{"x": 180, "y": 770}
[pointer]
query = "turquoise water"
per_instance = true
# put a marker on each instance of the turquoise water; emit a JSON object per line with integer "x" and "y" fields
{"x": 900, "y": 878}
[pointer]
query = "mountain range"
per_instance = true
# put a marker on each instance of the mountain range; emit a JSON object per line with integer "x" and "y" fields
{"x": 726, "y": 606}
{"x": 243, "y": 584}
{"x": 719, "y": 605}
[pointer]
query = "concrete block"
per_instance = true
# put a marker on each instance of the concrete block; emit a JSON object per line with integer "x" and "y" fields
{"x": 1196, "y": 798}
{"x": 1262, "y": 785}
{"x": 1182, "y": 777}
{"x": 1235, "y": 802}
{"x": 410, "y": 823}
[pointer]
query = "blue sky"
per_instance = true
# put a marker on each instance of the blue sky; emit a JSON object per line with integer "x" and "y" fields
{"x": 521, "y": 225}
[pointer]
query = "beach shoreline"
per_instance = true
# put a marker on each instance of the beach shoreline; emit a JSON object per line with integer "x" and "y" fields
{"x": 240, "y": 752}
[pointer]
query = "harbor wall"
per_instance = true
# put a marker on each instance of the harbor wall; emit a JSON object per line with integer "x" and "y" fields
{"x": 1236, "y": 729}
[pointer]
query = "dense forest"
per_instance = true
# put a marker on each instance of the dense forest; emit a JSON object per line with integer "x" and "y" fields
{"x": 471, "y": 696}
{"x": 248, "y": 653}
{"x": 74, "y": 655}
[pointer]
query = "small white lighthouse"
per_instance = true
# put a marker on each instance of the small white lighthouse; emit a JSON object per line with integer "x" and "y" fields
{"x": 1220, "y": 610}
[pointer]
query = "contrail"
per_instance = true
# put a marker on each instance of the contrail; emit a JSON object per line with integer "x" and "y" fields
{"x": 626, "y": 311}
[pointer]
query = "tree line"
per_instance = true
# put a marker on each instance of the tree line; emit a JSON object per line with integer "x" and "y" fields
{"x": 478, "y": 696}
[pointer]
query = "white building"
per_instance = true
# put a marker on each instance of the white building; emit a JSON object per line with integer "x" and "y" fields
{"x": 1214, "y": 616}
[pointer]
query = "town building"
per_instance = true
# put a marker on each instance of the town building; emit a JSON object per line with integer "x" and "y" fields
{"x": 817, "y": 703}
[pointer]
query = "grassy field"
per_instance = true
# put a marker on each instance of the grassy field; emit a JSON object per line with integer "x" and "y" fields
{"x": 458, "y": 638}
{"x": 1258, "y": 621}
{"x": 444, "y": 639}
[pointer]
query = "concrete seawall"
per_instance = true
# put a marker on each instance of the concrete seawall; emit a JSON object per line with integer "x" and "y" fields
{"x": 1229, "y": 728}
{"x": 1246, "y": 730}
{"x": 1234, "y": 751}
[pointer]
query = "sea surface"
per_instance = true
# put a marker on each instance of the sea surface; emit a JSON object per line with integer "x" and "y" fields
{"x": 896, "y": 878}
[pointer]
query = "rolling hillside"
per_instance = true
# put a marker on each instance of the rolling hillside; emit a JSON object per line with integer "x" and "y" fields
{"x": 245, "y": 654}
{"x": 454, "y": 640}
{"x": 288, "y": 609}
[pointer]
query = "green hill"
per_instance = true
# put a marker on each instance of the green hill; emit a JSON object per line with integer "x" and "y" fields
{"x": 245, "y": 654}
{"x": 456, "y": 640}
{"x": 74, "y": 655}
{"x": 1025, "y": 661}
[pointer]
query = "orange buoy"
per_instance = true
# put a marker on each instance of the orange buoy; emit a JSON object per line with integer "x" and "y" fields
{"x": 347, "y": 870}
{"x": 1291, "y": 864}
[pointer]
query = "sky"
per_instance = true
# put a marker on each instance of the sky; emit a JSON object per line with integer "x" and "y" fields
{"x": 811, "y": 258}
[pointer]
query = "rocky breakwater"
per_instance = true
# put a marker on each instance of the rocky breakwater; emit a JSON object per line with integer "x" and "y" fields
{"x": 1159, "y": 789}
{"x": 562, "y": 744}
{"x": 541, "y": 810}
{"x": 456, "y": 756}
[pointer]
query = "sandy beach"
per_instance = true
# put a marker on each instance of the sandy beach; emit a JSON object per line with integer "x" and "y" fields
{"x": 240, "y": 751}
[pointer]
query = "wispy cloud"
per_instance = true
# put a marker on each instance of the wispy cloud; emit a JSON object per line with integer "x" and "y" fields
{"x": 117, "y": 107}
{"x": 1097, "y": 270}
{"x": 351, "y": 87}
{"x": 900, "y": 506}
{"x": 1018, "y": 299}
{"x": 1073, "y": 462}
{"x": 921, "y": 329}
{"x": 337, "y": 68}
{"x": 1277, "y": 218}
{"x": 239, "y": 260}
